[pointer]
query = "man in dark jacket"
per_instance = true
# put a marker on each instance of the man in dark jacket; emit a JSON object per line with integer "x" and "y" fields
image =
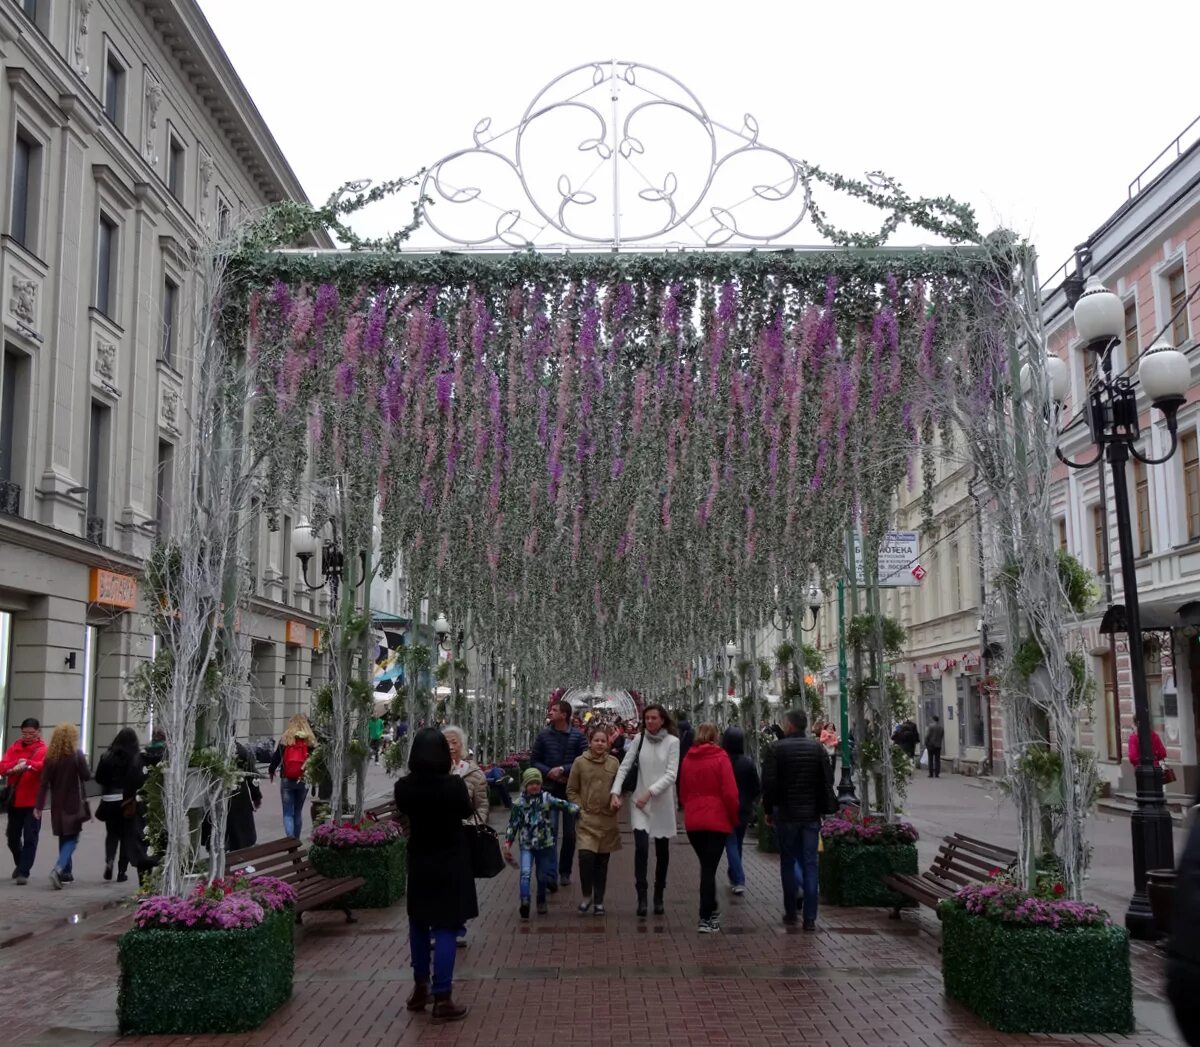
{"x": 749, "y": 789}
{"x": 554, "y": 751}
{"x": 1183, "y": 948}
{"x": 797, "y": 791}
{"x": 907, "y": 737}
{"x": 935, "y": 734}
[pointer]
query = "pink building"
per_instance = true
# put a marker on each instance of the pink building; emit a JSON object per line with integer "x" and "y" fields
{"x": 1148, "y": 252}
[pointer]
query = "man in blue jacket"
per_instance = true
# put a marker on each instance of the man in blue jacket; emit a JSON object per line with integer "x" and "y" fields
{"x": 554, "y": 750}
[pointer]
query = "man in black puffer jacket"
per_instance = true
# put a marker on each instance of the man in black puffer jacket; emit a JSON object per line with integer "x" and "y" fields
{"x": 797, "y": 791}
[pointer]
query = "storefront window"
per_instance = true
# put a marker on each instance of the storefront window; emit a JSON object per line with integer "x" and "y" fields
{"x": 976, "y": 711}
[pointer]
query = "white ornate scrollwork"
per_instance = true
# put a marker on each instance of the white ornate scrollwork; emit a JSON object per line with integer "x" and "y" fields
{"x": 611, "y": 154}
{"x": 106, "y": 360}
{"x": 154, "y": 97}
{"x": 23, "y": 303}
{"x": 82, "y": 13}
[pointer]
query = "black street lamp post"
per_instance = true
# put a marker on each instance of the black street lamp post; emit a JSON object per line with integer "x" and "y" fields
{"x": 1112, "y": 413}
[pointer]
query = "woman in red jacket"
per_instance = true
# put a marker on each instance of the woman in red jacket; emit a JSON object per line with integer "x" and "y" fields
{"x": 709, "y": 795}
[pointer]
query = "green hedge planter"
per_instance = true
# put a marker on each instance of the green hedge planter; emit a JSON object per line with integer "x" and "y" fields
{"x": 384, "y": 869}
{"x": 1034, "y": 979}
{"x": 180, "y": 982}
{"x": 768, "y": 843}
{"x": 851, "y": 874}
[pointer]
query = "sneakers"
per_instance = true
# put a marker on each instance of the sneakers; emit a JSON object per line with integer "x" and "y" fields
{"x": 810, "y": 925}
{"x": 542, "y": 907}
{"x": 599, "y": 909}
{"x": 564, "y": 881}
{"x": 525, "y": 909}
{"x": 552, "y": 886}
{"x": 584, "y": 906}
{"x": 709, "y": 926}
{"x": 22, "y": 880}
{"x": 446, "y": 1010}
{"x": 790, "y": 919}
{"x": 56, "y": 879}
{"x": 15, "y": 873}
{"x": 738, "y": 889}
{"x": 461, "y": 941}
{"x": 108, "y": 870}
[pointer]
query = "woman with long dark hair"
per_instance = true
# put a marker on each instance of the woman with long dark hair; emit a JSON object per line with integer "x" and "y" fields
{"x": 655, "y": 751}
{"x": 119, "y": 774}
{"x": 441, "y": 887}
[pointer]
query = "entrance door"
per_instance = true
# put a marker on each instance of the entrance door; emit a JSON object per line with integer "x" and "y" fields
{"x": 931, "y": 702}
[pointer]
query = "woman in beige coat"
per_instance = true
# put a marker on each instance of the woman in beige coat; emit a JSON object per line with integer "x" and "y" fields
{"x": 476, "y": 782}
{"x": 596, "y": 833}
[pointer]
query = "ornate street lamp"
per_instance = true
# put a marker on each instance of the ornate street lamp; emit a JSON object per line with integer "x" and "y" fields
{"x": 306, "y": 541}
{"x": 441, "y": 629}
{"x": 1112, "y": 414}
{"x": 815, "y": 600}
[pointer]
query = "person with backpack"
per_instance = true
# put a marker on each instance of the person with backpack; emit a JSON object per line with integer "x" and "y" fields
{"x": 289, "y": 758}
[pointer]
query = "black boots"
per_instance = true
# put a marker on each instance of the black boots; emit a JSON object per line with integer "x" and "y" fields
{"x": 446, "y": 1010}
{"x": 658, "y": 901}
{"x": 641, "y": 902}
{"x": 419, "y": 998}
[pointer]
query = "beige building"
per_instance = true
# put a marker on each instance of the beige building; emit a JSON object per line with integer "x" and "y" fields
{"x": 127, "y": 139}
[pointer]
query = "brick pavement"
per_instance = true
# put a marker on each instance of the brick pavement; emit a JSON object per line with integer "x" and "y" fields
{"x": 562, "y": 979}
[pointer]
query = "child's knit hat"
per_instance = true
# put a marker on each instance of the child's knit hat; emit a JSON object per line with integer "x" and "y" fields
{"x": 532, "y": 774}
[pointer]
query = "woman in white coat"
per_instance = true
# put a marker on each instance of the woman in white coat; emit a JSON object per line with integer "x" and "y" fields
{"x": 656, "y": 753}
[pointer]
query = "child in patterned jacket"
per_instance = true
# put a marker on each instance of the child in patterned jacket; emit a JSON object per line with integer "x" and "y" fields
{"x": 531, "y": 826}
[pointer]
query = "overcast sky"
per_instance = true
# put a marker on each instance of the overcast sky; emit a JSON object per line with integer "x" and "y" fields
{"x": 1038, "y": 114}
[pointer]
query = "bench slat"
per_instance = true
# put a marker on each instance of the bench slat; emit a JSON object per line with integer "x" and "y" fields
{"x": 960, "y": 861}
{"x": 287, "y": 860}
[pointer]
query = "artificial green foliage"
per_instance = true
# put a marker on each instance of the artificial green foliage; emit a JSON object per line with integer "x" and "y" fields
{"x": 861, "y": 633}
{"x": 768, "y": 842}
{"x": 851, "y": 875}
{"x": 1036, "y": 979}
{"x": 190, "y": 982}
{"x": 384, "y": 868}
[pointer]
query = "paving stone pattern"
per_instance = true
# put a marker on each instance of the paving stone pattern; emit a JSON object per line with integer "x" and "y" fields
{"x": 566, "y": 980}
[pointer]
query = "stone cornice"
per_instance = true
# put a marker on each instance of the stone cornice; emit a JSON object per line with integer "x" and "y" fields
{"x": 28, "y": 534}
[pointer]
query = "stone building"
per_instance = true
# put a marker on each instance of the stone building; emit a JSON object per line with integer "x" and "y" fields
{"x": 127, "y": 138}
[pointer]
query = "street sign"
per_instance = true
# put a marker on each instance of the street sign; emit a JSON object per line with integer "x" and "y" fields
{"x": 898, "y": 564}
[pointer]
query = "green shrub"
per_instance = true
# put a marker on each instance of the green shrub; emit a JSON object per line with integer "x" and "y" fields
{"x": 852, "y": 874}
{"x": 1037, "y": 979}
{"x": 180, "y": 982}
{"x": 384, "y": 868}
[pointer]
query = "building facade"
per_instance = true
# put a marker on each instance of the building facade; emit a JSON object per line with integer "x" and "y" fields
{"x": 128, "y": 139}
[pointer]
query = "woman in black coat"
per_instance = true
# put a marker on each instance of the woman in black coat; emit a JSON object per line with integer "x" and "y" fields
{"x": 246, "y": 799}
{"x": 120, "y": 774}
{"x": 441, "y": 888}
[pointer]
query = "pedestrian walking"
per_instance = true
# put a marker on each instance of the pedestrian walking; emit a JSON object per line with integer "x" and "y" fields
{"x": 555, "y": 749}
{"x": 797, "y": 790}
{"x": 935, "y": 734}
{"x": 598, "y": 833}
{"x": 500, "y": 782}
{"x": 240, "y": 830}
{"x": 655, "y": 755}
{"x": 477, "y": 788}
{"x": 21, "y": 768}
{"x": 289, "y": 759}
{"x": 120, "y": 774}
{"x": 63, "y": 775}
{"x": 709, "y": 794}
{"x": 828, "y": 737}
{"x": 441, "y": 888}
{"x": 908, "y": 738}
{"x": 531, "y": 827}
{"x": 749, "y": 790}
{"x": 375, "y": 736}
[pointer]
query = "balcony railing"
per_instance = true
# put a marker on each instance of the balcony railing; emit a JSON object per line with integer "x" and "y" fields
{"x": 94, "y": 532}
{"x": 10, "y": 498}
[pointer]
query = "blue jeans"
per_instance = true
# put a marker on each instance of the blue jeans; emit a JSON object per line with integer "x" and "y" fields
{"x": 543, "y": 859}
{"x": 293, "y": 794}
{"x": 23, "y": 829}
{"x": 66, "y": 848}
{"x": 733, "y": 855}
{"x": 798, "y": 846}
{"x": 567, "y": 839}
{"x": 443, "y": 948}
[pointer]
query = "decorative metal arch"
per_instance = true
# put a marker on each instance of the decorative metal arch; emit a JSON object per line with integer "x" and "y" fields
{"x": 585, "y": 164}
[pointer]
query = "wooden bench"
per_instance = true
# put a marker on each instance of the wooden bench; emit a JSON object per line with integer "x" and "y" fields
{"x": 960, "y": 860}
{"x": 288, "y": 861}
{"x": 381, "y": 812}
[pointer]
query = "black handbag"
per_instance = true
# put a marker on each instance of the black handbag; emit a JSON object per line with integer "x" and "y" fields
{"x": 6, "y": 797}
{"x": 486, "y": 859}
{"x": 631, "y": 779}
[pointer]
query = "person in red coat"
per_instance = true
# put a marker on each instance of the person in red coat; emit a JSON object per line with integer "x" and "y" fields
{"x": 1158, "y": 751}
{"x": 22, "y": 769}
{"x": 708, "y": 793}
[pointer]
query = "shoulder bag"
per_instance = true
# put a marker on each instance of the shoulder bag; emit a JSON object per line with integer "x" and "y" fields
{"x": 631, "y": 779}
{"x": 6, "y": 797}
{"x": 486, "y": 859}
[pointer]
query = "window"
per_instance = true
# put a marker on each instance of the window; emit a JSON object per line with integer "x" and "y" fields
{"x": 170, "y": 310}
{"x": 114, "y": 91}
{"x": 1141, "y": 496}
{"x": 286, "y": 557}
{"x": 956, "y": 577}
{"x": 175, "y": 162}
{"x": 1177, "y": 303}
{"x": 255, "y": 524}
{"x": 223, "y": 219}
{"x": 1112, "y": 705}
{"x": 97, "y": 483}
{"x": 1062, "y": 532}
{"x": 1132, "y": 348}
{"x": 106, "y": 266}
{"x": 27, "y": 162}
{"x": 1099, "y": 548}
{"x": 976, "y": 707}
{"x": 30, "y": 7}
{"x": 13, "y": 398}
{"x": 1191, "y": 484}
{"x": 164, "y": 484}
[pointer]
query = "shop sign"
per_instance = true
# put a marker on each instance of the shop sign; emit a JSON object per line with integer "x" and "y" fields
{"x": 297, "y": 634}
{"x": 110, "y": 589}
